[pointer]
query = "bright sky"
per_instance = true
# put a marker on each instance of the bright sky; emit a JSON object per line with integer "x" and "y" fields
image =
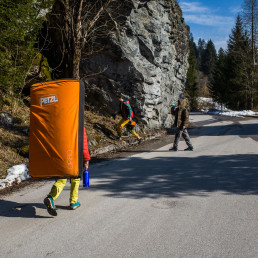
{"x": 211, "y": 19}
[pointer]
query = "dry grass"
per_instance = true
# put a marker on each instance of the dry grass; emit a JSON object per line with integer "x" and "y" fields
{"x": 256, "y": 109}
{"x": 100, "y": 127}
{"x": 98, "y": 124}
{"x": 12, "y": 139}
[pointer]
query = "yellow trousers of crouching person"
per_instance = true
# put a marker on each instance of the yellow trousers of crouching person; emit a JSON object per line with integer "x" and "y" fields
{"x": 120, "y": 126}
{"x": 59, "y": 185}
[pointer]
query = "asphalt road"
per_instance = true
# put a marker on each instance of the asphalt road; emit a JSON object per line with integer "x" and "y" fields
{"x": 153, "y": 204}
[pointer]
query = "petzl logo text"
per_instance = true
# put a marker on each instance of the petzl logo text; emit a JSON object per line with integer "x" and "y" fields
{"x": 48, "y": 100}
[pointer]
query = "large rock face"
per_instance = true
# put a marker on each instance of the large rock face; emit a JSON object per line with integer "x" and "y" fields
{"x": 146, "y": 60}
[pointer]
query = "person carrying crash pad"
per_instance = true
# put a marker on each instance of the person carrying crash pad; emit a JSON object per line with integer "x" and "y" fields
{"x": 181, "y": 122}
{"x": 75, "y": 182}
{"x": 125, "y": 110}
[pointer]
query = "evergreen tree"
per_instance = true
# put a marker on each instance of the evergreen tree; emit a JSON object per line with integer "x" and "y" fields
{"x": 200, "y": 51}
{"x": 209, "y": 59}
{"x": 218, "y": 85}
{"x": 250, "y": 22}
{"x": 20, "y": 21}
{"x": 191, "y": 83}
{"x": 239, "y": 62}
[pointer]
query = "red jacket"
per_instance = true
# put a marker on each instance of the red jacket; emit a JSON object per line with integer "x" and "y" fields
{"x": 86, "y": 155}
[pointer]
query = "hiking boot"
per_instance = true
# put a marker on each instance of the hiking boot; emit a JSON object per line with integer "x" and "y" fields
{"x": 74, "y": 206}
{"x": 173, "y": 149}
{"x": 190, "y": 148}
{"x": 49, "y": 203}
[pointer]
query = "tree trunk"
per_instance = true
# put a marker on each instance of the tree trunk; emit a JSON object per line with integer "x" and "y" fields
{"x": 76, "y": 63}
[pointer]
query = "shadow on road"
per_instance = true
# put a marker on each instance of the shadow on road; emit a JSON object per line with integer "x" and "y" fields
{"x": 25, "y": 210}
{"x": 178, "y": 176}
{"x": 242, "y": 130}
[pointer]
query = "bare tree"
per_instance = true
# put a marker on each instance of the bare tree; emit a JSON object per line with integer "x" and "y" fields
{"x": 77, "y": 23}
{"x": 250, "y": 22}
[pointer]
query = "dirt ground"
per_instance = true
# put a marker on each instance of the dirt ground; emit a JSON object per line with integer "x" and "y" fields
{"x": 145, "y": 146}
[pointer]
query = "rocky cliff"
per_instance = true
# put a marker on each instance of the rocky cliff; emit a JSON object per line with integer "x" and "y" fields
{"x": 146, "y": 60}
{"x": 143, "y": 55}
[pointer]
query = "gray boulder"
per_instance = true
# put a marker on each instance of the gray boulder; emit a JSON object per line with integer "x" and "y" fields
{"x": 146, "y": 60}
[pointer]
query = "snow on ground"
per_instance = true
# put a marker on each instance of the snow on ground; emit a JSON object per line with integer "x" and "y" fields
{"x": 208, "y": 103}
{"x": 16, "y": 174}
{"x": 214, "y": 108}
{"x": 239, "y": 113}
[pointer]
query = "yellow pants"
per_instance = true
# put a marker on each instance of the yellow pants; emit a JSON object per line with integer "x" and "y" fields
{"x": 59, "y": 185}
{"x": 120, "y": 126}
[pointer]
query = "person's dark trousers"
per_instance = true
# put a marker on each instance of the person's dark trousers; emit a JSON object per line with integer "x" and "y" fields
{"x": 185, "y": 135}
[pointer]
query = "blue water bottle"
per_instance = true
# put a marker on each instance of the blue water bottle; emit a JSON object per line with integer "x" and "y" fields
{"x": 86, "y": 181}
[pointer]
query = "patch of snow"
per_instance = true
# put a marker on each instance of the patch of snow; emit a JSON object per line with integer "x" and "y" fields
{"x": 203, "y": 99}
{"x": 216, "y": 109}
{"x": 16, "y": 174}
{"x": 239, "y": 113}
{"x": 212, "y": 103}
{"x": 6, "y": 119}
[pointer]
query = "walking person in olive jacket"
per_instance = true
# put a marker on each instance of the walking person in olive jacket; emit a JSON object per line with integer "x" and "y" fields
{"x": 181, "y": 122}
